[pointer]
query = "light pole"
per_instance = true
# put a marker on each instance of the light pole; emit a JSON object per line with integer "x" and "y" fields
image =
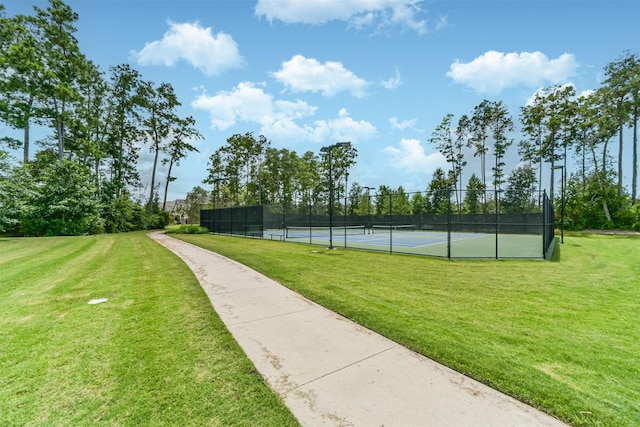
{"x": 328, "y": 149}
{"x": 215, "y": 196}
{"x": 369, "y": 225}
{"x": 561, "y": 167}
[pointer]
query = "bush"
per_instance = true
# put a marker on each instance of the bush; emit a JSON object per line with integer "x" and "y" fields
{"x": 188, "y": 229}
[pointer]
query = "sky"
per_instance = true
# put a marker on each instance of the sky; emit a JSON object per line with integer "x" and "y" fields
{"x": 381, "y": 74}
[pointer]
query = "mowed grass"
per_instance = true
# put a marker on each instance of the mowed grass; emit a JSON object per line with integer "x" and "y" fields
{"x": 155, "y": 353}
{"x": 562, "y": 336}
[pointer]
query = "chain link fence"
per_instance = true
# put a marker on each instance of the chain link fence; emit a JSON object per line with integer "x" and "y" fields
{"x": 452, "y": 224}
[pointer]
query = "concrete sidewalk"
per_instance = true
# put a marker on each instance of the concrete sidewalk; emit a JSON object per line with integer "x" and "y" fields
{"x": 330, "y": 371}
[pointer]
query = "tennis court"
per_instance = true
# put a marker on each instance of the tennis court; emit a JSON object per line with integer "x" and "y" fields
{"x": 526, "y": 233}
{"x": 406, "y": 239}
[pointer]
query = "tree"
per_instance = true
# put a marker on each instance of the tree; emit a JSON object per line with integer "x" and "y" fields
{"x": 596, "y": 129}
{"x": 622, "y": 76}
{"x": 54, "y": 31}
{"x": 88, "y": 129}
{"x": 479, "y": 127}
{"x": 462, "y": 140}
{"x": 22, "y": 70}
{"x": 178, "y": 148}
{"x": 310, "y": 182}
{"x": 474, "y": 196}
{"x": 383, "y": 197}
{"x": 439, "y": 193}
{"x": 123, "y": 127}
{"x": 418, "y": 204}
{"x": 500, "y": 124}
{"x": 196, "y": 200}
{"x": 160, "y": 104}
{"x": 63, "y": 202}
{"x": 519, "y": 191}
{"x": 547, "y": 119}
{"x": 15, "y": 190}
{"x": 451, "y": 149}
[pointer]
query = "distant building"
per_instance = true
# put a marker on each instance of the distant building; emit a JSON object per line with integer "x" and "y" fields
{"x": 178, "y": 210}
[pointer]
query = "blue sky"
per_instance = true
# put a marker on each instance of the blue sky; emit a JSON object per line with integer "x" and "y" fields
{"x": 379, "y": 73}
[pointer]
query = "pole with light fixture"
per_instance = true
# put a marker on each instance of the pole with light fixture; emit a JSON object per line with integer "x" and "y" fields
{"x": 328, "y": 149}
{"x": 369, "y": 225}
{"x": 561, "y": 167}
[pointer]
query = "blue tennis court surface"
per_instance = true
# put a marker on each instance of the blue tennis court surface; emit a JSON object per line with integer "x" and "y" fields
{"x": 434, "y": 243}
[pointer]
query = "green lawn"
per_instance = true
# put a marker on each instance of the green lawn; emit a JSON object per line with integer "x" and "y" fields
{"x": 154, "y": 354}
{"x": 562, "y": 336}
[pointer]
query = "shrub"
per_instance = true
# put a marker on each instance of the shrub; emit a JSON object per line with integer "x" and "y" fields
{"x": 188, "y": 229}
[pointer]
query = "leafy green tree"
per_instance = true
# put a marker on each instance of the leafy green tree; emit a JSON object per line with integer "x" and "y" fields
{"x": 357, "y": 200}
{"x": 474, "y": 196}
{"x": 621, "y": 84}
{"x": 196, "y": 200}
{"x": 401, "y": 203}
{"x": 15, "y": 190}
{"x": 500, "y": 124}
{"x": 463, "y": 135}
{"x": 310, "y": 182}
{"x": 87, "y": 128}
{"x": 178, "y": 148}
{"x": 54, "y": 31}
{"x": 22, "y": 70}
{"x": 123, "y": 127}
{"x": 343, "y": 158}
{"x": 418, "y": 204}
{"x": 443, "y": 139}
{"x": 383, "y": 203}
{"x": 520, "y": 186}
{"x": 479, "y": 128}
{"x": 160, "y": 104}
{"x": 596, "y": 129}
{"x": 439, "y": 193}
{"x": 547, "y": 122}
{"x": 64, "y": 202}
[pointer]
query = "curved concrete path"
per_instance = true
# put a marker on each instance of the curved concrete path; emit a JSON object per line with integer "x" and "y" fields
{"x": 330, "y": 371}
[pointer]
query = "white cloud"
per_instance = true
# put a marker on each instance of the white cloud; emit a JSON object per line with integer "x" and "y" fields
{"x": 411, "y": 157}
{"x": 245, "y": 102}
{"x": 209, "y": 53}
{"x": 279, "y": 119}
{"x": 358, "y": 13}
{"x": 393, "y": 82}
{"x": 494, "y": 71}
{"x": 302, "y": 74}
{"x": 402, "y": 125}
{"x": 343, "y": 128}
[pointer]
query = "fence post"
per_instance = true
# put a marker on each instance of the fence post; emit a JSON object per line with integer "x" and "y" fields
{"x": 496, "y": 196}
{"x": 390, "y": 222}
{"x": 449, "y": 225}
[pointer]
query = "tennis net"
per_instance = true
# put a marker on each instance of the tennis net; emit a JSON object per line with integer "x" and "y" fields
{"x": 390, "y": 228}
{"x": 292, "y": 232}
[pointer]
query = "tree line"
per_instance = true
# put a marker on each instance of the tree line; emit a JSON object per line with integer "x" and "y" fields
{"x": 82, "y": 177}
{"x": 558, "y": 130}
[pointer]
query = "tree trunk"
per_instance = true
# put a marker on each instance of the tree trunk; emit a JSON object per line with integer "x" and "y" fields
{"x": 166, "y": 185}
{"x": 634, "y": 179}
{"x": 605, "y": 206}
{"x": 26, "y": 132}
{"x": 621, "y": 124}
{"x": 153, "y": 176}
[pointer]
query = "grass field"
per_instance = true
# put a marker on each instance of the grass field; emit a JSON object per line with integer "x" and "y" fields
{"x": 562, "y": 336}
{"x": 155, "y": 353}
